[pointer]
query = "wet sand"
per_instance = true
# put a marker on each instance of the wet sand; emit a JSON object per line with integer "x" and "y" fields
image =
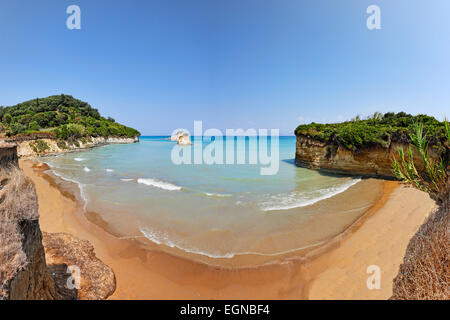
{"x": 333, "y": 270}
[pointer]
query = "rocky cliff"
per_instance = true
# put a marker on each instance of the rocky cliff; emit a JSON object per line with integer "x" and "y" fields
{"x": 8, "y": 154}
{"x": 25, "y": 273}
{"x": 39, "y": 147}
{"x": 30, "y": 279}
{"x": 371, "y": 161}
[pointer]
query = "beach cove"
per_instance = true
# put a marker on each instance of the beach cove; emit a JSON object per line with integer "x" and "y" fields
{"x": 335, "y": 269}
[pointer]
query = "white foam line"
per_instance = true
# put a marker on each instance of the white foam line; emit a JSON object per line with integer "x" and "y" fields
{"x": 219, "y": 195}
{"x": 80, "y": 187}
{"x": 315, "y": 200}
{"x": 165, "y": 241}
{"x": 159, "y": 184}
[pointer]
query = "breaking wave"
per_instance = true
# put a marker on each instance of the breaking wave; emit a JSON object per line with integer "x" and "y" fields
{"x": 159, "y": 184}
{"x": 296, "y": 199}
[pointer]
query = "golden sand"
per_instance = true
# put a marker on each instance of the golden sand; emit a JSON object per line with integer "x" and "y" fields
{"x": 335, "y": 270}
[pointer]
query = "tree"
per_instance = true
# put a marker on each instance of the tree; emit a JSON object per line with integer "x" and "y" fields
{"x": 33, "y": 126}
{"x": 7, "y": 118}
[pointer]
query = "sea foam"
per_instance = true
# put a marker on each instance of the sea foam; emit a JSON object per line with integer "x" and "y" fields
{"x": 159, "y": 184}
{"x": 79, "y": 159}
{"x": 86, "y": 169}
{"x": 218, "y": 195}
{"x": 296, "y": 200}
{"x": 162, "y": 238}
{"x": 80, "y": 187}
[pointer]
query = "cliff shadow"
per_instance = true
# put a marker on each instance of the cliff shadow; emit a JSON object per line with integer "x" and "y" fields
{"x": 61, "y": 278}
{"x": 290, "y": 161}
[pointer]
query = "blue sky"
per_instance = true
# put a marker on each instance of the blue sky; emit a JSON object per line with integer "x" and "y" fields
{"x": 159, "y": 65}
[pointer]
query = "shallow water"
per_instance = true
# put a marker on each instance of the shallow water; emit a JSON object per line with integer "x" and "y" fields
{"x": 217, "y": 211}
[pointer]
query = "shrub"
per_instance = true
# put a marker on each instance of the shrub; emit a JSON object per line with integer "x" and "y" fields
{"x": 434, "y": 178}
{"x": 70, "y": 132}
{"x": 33, "y": 126}
{"x": 39, "y": 146}
{"x": 61, "y": 144}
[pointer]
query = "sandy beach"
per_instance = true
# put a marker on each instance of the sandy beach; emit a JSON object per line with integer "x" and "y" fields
{"x": 335, "y": 270}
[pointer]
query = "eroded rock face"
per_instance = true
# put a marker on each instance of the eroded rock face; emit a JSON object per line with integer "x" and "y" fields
{"x": 425, "y": 271}
{"x": 34, "y": 281}
{"x": 8, "y": 154}
{"x": 25, "y": 150}
{"x": 373, "y": 161}
{"x": 64, "y": 250}
{"x": 24, "y": 272}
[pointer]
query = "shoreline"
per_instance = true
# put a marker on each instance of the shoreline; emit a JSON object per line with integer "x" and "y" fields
{"x": 149, "y": 274}
{"x": 26, "y": 152}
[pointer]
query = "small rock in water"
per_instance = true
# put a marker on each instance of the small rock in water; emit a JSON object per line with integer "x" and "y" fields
{"x": 184, "y": 140}
{"x": 41, "y": 166}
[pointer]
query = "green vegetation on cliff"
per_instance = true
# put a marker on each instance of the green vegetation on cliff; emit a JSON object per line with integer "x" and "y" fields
{"x": 62, "y": 116}
{"x": 377, "y": 130}
{"x": 425, "y": 271}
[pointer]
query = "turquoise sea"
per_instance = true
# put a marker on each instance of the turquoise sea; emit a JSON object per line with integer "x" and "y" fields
{"x": 217, "y": 211}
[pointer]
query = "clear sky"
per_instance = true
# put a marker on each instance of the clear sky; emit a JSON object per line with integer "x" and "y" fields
{"x": 158, "y": 65}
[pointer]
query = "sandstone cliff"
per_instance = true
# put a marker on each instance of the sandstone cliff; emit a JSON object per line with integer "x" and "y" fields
{"x": 332, "y": 158}
{"x": 39, "y": 147}
{"x": 24, "y": 272}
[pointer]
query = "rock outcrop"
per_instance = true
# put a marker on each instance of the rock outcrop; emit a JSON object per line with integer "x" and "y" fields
{"x": 62, "y": 250}
{"x": 370, "y": 161}
{"x": 8, "y": 154}
{"x": 176, "y": 135}
{"x": 33, "y": 148}
{"x": 31, "y": 280}
{"x": 25, "y": 274}
{"x": 184, "y": 140}
{"x": 23, "y": 271}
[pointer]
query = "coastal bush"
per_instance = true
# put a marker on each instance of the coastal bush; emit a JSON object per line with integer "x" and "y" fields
{"x": 61, "y": 144}
{"x": 377, "y": 130}
{"x": 425, "y": 272}
{"x": 34, "y": 126}
{"x": 55, "y": 112}
{"x": 70, "y": 131}
{"x": 39, "y": 146}
{"x": 434, "y": 179}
